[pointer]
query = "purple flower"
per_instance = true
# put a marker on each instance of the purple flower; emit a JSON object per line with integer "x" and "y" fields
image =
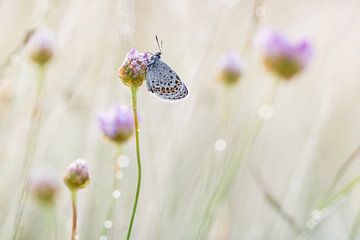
{"x": 44, "y": 186}
{"x": 283, "y": 57}
{"x": 231, "y": 68}
{"x": 77, "y": 175}
{"x": 117, "y": 123}
{"x": 133, "y": 70}
{"x": 41, "y": 46}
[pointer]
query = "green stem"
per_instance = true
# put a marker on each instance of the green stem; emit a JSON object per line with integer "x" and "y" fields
{"x": 110, "y": 211}
{"x": 232, "y": 169}
{"x": 355, "y": 228}
{"x": 50, "y": 220}
{"x": 136, "y": 122}
{"x": 340, "y": 194}
{"x": 339, "y": 174}
{"x": 31, "y": 143}
{"x": 74, "y": 214}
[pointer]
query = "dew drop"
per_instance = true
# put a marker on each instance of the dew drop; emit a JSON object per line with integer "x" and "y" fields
{"x": 123, "y": 161}
{"x": 265, "y": 111}
{"x": 103, "y": 238}
{"x": 14, "y": 58}
{"x": 116, "y": 194}
{"x": 119, "y": 175}
{"x": 220, "y": 145}
{"x": 260, "y": 11}
{"x": 108, "y": 224}
{"x": 311, "y": 223}
{"x": 316, "y": 215}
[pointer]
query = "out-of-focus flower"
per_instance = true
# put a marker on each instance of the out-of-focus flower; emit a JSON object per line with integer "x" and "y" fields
{"x": 283, "y": 57}
{"x": 231, "y": 68}
{"x": 133, "y": 70}
{"x": 41, "y": 46}
{"x": 117, "y": 123}
{"x": 44, "y": 186}
{"x": 77, "y": 175}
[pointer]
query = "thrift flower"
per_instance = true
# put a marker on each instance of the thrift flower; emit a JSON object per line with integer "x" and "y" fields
{"x": 132, "y": 72}
{"x": 41, "y": 46}
{"x": 231, "y": 68}
{"x": 77, "y": 175}
{"x": 117, "y": 123}
{"x": 44, "y": 186}
{"x": 283, "y": 57}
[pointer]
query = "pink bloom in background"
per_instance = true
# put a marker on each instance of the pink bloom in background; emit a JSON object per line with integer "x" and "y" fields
{"x": 231, "y": 68}
{"x": 41, "y": 46}
{"x": 283, "y": 56}
{"x": 133, "y": 70}
{"x": 44, "y": 186}
{"x": 117, "y": 123}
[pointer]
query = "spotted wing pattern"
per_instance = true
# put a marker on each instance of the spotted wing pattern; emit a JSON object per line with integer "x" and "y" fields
{"x": 164, "y": 82}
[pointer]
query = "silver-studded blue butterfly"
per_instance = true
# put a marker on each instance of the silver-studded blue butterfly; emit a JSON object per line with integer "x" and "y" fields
{"x": 162, "y": 80}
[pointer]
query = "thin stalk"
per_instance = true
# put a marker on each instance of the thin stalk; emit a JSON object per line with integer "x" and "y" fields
{"x": 50, "y": 219}
{"x": 341, "y": 193}
{"x": 110, "y": 210}
{"x": 340, "y": 173}
{"x": 232, "y": 169}
{"x": 74, "y": 214}
{"x": 355, "y": 228}
{"x": 31, "y": 143}
{"x": 275, "y": 203}
{"x": 136, "y": 122}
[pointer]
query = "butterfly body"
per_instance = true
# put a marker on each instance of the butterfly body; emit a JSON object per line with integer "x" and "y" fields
{"x": 163, "y": 81}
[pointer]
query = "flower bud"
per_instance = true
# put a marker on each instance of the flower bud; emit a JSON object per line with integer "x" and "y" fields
{"x": 231, "y": 68}
{"x": 117, "y": 123}
{"x": 44, "y": 186}
{"x": 41, "y": 46}
{"x": 283, "y": 57}
{"x": 133, "y": 70}
{"x": 77, "y": 175}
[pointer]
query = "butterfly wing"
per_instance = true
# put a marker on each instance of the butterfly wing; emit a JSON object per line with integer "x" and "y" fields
{"x": 164, "y": 82}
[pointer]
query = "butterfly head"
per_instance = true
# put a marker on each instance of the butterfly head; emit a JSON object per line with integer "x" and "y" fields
{"x": 158, "y": 54}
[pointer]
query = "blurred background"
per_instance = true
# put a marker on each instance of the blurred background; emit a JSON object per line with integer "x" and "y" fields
{"x": 186, "y": 145}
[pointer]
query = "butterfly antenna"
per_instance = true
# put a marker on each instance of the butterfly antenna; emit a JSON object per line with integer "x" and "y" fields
{"x": 158, "y": 43}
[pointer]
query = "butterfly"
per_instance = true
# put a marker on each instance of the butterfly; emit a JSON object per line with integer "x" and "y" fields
{"x": 162, "y": 80}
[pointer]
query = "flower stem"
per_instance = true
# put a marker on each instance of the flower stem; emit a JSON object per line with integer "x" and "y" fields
{"x": 136, "y": 122}
{"x": 110, "y": 210}
{"x": 31, "y": 143}
{"x": 74, "y": 214}
{"x": 228, "y": 177}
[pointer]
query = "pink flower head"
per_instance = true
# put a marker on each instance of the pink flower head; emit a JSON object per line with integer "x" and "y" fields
{"x": 283, "y": 57}
{"x": 231, "y": 68}
{"x": 133, "y": 70}
{"x": 44, "y": 186}
{"x": 41, "y": 46}
{"x": 77, "y": 175}
{"x": 117, "y": 123}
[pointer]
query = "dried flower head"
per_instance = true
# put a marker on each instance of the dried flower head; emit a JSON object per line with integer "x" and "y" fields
{"x": 117, "y": 123}
{"x": 283, "y": 57}
{"x": 133, "y": 70}
{"x": 231, "y": 68}
{"x": 44, "y": 186}
{"x": 41, "y": 46}
{"x": 77, "y": 175}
